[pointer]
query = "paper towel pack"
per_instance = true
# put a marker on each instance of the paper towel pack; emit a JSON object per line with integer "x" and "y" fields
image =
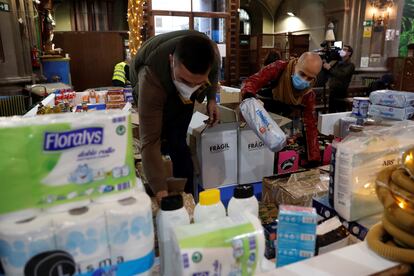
{"x": 60, "y": 158}
{"x": 227, "y": 246}
{"x": 392, "y": 98}
{"x": 393, "y": 113}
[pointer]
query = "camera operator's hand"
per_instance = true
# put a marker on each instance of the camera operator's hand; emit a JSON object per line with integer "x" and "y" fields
{"x": 327, "y": 66}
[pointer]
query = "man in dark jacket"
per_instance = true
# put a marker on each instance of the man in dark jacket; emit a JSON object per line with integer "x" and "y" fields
{"x": 170, "y": 72}
{"x": 340, "y": 75}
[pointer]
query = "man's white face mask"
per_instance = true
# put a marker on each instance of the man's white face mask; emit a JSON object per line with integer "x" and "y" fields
{"x": 184, "y": 90}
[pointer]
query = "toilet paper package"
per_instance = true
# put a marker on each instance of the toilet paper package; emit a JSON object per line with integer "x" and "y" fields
{"x": 60, "y": 158}
{"x": 392, "y": 113}
{"x": 227, "y": 246}
{"x": 392, "y": 98}
{"x": 262, "y": 124}
{"x": 22, "y": 240}
{"x": 81, "y": 232}
{"x": 130, "y": 234}
{"x": 359, "y": 158}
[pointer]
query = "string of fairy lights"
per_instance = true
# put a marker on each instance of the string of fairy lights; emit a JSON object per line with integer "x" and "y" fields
{"x": 135, "y": 23}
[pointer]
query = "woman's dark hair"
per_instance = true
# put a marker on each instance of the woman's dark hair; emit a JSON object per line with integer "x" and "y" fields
{"x": 271, "y": 57}
{"x": 196, "y": 53}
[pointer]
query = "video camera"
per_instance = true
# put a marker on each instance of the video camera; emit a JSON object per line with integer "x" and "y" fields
{"x": 328, "y": 52}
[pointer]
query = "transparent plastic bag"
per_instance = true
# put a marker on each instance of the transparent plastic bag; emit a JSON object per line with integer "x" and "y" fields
{"x": 359, "y": 158}
{"x": 262, "y": 124}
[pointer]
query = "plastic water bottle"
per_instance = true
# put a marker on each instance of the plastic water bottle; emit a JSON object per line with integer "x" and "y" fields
{"x": 209, "y": 206}
{"x": 171, "y": 214}
{"x": 243, "y": 200}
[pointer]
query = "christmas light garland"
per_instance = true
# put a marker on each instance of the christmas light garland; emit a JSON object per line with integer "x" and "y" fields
{"x": 135, "y": 23}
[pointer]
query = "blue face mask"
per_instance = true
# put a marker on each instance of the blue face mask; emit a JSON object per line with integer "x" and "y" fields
{"x": 299, "y": 83}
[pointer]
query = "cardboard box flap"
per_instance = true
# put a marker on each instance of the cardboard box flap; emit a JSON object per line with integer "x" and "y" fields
{"x": 197, "y": 124}
{"x": 230, "y": 95}
{"x": 229, "y": 89}
{"x": 219, "y": 128}
{"x": 227, "y": 115}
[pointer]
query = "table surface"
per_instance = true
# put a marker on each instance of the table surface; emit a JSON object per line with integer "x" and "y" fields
{"x": 355, "y": 259}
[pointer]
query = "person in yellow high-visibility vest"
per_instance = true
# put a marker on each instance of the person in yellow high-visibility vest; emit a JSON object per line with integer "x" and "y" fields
{"x": 121, "y": 74}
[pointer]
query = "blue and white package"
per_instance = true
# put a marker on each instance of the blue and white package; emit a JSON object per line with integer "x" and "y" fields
{"x": 262, "y": 124}
{"x": 296, "y": 234}
{"x": 392, "y": 113}
{"x": 392, "y": 98}
{"x": 360, "y": 107}
{"x": 128, "y": 94}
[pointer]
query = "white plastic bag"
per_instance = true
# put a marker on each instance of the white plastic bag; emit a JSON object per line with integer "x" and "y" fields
{"x": 262, "y": 124}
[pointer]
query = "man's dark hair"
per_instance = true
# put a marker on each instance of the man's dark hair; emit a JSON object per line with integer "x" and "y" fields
{"x": 350, "y": 50}
{"x": 196, "y": 53}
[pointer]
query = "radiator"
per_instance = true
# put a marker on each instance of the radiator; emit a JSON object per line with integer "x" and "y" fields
{"x": 12, "y": 105}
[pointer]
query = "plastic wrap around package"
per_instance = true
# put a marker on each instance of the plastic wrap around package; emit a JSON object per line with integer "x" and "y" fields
{"x": 392, "y": 98}
{"x": 262, "y": 124}
{"x": 61, "y": 158}
{"x": 393, "y": 113}
{"x": 359, "y": 158}
{"x": 227, "y": 246}
{"x": 298, "y": 190}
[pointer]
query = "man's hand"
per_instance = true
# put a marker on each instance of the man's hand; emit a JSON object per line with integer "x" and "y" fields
{"x": 160, "y": 195}
{"x": 213, "y": 113}
{"x": 327, "y": 66}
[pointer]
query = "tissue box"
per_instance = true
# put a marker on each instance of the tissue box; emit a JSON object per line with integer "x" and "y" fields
{"x": 358, "y": 229}
{"x": 296, "y": 234}
{"x": 393, "y": 113}
{"x": 298, "y": 190}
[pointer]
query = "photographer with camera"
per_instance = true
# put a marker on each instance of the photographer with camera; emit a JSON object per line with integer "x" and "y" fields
{"x": 340, "y": 75}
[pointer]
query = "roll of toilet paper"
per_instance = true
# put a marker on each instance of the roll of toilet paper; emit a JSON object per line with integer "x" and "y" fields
{"x": 82, "y": 233}
{"x": 131, "y": 234}
{"x": 20, "y": 241}
{"x": 227, "y": 246}
{"x": 111, "y": 198}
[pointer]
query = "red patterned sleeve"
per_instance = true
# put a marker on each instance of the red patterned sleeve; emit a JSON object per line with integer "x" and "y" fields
{"x": 311, "y": 130}
{"x": 270, "y": 72}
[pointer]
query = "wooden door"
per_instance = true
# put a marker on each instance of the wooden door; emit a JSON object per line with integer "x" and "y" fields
{"x": 93, "y": 56}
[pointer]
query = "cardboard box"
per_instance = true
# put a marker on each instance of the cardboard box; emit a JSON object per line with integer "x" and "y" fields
{"x": 255, "y": 160}
{"x": 229, "y": 95}
{"x": 328, "y": 124}
{"x": 358, "y": 229}
{"x": 216, "y": 151}
{"x": 296, "y": 234}
{"x": 297, "y": 189}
